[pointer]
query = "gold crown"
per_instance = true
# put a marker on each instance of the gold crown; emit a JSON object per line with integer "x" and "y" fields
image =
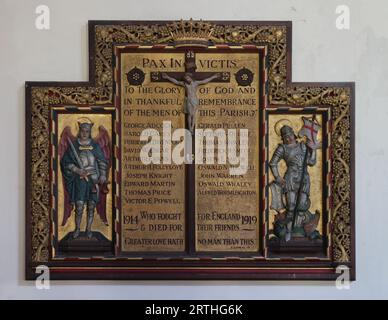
{"x": 84, "y": 120}
{"x": 190, "y": 33}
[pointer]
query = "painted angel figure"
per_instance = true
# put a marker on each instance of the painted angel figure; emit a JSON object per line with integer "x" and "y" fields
{"x": 85, "y": 164}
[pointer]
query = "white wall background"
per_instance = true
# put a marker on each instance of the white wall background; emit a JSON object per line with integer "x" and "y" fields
{"x": 320, "y": 53}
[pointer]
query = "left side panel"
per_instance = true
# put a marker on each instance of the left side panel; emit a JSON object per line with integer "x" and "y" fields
{"x": 82, "y": 170}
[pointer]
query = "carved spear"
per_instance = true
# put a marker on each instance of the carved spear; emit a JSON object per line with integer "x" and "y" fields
{"x": 304, "y": 167}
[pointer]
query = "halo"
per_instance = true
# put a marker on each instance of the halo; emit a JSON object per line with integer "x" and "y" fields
{"x": 83, "y": 120}
{"x": 280, "y": 124}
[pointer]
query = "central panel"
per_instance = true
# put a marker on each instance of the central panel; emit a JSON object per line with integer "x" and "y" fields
{"x": 194, "y": 190}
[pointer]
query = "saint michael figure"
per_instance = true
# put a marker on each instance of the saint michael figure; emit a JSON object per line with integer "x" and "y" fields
{"x": 85, "y": 164}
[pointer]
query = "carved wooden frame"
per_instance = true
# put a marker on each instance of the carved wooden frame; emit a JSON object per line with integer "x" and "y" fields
{"x": 282, "y": 92}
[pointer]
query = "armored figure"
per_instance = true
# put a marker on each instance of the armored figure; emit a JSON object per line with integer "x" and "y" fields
{"x": 296, "y": 220}
{"x": 85, "y": 171}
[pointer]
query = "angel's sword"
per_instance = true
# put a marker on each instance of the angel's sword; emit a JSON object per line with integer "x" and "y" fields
{"x": 76, "y": 156}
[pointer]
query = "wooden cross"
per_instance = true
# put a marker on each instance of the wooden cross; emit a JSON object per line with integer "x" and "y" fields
{"x": 190, "y": 68}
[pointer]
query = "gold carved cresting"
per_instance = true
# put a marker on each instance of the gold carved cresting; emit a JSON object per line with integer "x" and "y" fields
{"x": 192, "y": 33}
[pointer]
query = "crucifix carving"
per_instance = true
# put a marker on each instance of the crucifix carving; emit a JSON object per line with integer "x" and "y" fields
{"x": 190, "y": 80}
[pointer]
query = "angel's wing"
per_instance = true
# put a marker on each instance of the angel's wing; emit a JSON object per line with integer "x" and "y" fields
{"x": 105, "y": 143}
{"x": 64, "y": 141}
{"x": 62, "y": 148}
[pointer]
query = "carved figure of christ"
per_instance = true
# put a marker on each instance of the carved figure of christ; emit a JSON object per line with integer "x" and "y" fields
{"x": 191, "y": 102}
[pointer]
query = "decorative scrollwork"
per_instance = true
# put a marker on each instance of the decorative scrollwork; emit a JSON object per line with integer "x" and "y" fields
{"x": 339, "y": 98}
